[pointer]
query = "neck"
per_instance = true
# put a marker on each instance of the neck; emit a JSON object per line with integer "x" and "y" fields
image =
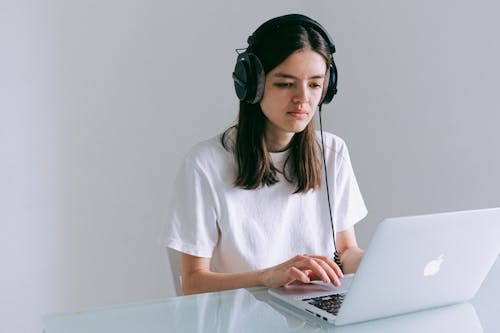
{"x": 279, "y": 143}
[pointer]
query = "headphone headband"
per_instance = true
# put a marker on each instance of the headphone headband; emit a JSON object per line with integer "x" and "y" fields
{"x": 279, "y": 21}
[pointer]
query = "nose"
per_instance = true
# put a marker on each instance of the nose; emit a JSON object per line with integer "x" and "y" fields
{"x": 301, "y": 94}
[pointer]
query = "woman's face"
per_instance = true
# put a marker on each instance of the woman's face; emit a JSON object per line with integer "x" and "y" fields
{"x": 292, "y": 93}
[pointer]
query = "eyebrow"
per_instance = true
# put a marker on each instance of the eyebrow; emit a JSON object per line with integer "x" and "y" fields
{"x": 289, "y": 76}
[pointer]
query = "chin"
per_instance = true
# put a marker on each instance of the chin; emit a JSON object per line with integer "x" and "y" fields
{"x": 299, "y": 128}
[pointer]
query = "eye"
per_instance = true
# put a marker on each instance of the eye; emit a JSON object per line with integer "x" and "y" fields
{"x": 315, "y": 85}
{"x": 283, "y": 84}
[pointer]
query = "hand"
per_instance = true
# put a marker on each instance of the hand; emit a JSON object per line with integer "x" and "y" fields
{"x": 350, "y": 259}
{"x": 303, "y": 268}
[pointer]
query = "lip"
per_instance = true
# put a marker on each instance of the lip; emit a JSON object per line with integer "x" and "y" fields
{"x": 298, "y": 114}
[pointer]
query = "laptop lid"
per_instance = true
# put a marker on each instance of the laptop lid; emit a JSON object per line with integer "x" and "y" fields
{"x": 420, "y": 262}
{"x": 417, "y": 262}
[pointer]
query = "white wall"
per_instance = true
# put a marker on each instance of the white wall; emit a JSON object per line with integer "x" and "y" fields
{"x": 99, "y": 100}
{"x": 419, "y": 103}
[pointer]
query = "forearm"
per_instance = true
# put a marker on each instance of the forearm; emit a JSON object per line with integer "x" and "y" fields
{"x": 206, "y": 281}
{"x": 198, "y": 278}
{"x": 350, "y": 253}
{"x": 350, "y": 259}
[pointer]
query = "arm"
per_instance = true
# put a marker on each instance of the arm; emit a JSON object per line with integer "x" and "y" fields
{"x": 350, "y": 253}
{"x": 197, "y": 277}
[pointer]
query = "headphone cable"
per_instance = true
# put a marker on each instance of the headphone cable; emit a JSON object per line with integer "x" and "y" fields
{"x": 336, "y": 254}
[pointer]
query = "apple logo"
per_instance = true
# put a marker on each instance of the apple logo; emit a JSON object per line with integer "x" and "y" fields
{"x": 433, "y": 266}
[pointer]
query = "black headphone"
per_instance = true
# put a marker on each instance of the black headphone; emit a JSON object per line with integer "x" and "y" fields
{"x": 249, "y": 76}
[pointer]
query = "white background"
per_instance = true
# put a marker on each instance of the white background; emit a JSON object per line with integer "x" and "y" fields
{"x": 99, "y": 101}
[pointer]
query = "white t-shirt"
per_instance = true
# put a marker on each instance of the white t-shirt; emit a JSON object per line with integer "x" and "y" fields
{"x": 243, "y": 230}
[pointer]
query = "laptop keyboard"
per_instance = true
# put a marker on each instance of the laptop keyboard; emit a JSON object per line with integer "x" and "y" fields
{"x": 329, "y": 303}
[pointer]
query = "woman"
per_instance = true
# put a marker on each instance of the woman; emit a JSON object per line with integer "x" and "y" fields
{"x": 251, "y": 206}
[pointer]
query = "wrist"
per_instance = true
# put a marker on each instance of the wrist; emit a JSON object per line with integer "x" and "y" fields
{"x": 350, "y": 259}
{"x": 262, "y": 277}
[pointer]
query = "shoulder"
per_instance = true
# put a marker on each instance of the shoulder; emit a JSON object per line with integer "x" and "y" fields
{"x": 333, "y": 144}
{"x": 208, "y": 153}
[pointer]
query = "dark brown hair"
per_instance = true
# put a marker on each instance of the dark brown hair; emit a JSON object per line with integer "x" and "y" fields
{"x": 303, "y": 165}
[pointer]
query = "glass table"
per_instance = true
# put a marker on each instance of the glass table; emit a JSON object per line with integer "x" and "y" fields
{"x": 251, "y": 310}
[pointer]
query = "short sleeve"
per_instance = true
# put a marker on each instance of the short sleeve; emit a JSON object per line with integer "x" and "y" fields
{"x": 191, "y": 225}
{"x": 349, "y": 206}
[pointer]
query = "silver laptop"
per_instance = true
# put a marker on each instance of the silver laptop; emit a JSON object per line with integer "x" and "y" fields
{"x": 412, "y": 263}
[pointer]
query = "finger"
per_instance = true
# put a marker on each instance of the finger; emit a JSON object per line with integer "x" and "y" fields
{"x": 332, "y": 269}
{"x": 332, "y": 264}
{"x": 295, "y": 274}
{"x": 320, "y": 267}
{"x": 316, "y": 266}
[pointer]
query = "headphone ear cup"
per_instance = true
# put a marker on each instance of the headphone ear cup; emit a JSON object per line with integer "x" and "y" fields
{"x": 259, "y": 77}
{"x": 240, "y": 76}
{"x": 249, "y": 78}
{"x": 326, "y": 86}
{"x": 330, "y": 90}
